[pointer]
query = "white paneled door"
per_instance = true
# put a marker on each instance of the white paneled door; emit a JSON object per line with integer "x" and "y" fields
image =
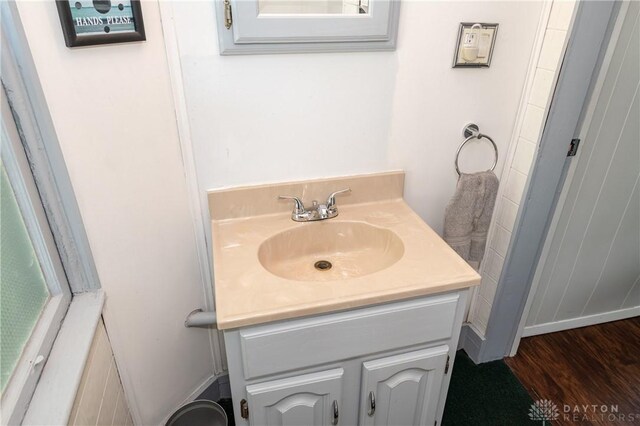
{"x": 403, "y": 390}
{"x": 590, "y": 269}
{"x": 310, "y": 400}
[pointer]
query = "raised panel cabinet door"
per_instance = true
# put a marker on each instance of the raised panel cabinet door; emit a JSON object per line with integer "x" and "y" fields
{"x": 306, "y": 400}
{"x": 403, "y": 389}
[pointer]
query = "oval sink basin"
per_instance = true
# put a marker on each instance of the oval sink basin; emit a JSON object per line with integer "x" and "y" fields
{"x": 327, "y": 251}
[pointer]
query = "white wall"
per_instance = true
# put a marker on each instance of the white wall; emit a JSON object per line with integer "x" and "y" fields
{"x": 433, "y": 102}
{"x": 115, "y": 119}
{"x": 282, "y": 117}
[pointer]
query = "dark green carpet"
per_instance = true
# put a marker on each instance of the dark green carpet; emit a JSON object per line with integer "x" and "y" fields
{"x": 485, "y": 394}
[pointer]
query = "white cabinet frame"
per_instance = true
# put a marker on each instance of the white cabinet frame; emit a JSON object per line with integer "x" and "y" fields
{"x": 413, "y": 340}
{"x": 253, "y": 33}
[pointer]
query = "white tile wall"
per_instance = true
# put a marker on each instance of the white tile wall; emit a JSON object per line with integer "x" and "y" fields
{"x": 100, "y": 398}
{"x": 500, "y": 240}
{"x": 488, "y": 288}
{"x": 494, "y": 267}
{"x": 560, "y": 17}
{"x": 514, "y": 187}
{"x": 523, "y": 156}
{"x": 507, "y": 212}
{"x": 516, "y": 171}
{"x": 552, "y": 49}
{"x": 542, "y": 86}
{"x": 532, "y": 123}
{"x": 482, "y": 312}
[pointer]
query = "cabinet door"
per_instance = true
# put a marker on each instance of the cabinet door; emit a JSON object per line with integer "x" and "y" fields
{"x": 403, "y": 389}
{"x": 306, "y": 400}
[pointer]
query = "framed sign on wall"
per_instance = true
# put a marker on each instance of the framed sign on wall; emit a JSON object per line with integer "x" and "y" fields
{"x": 91, "y": 22}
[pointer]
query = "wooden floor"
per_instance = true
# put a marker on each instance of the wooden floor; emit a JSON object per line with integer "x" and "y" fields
{"x": 597, "y": 365}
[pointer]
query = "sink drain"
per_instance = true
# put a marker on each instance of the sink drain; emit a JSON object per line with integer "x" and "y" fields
{"x": 322, "y": 265}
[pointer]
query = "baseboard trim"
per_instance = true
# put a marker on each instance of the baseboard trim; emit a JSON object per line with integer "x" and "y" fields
{"x": 551, "y": 327}
{"x": 472, "y": 342}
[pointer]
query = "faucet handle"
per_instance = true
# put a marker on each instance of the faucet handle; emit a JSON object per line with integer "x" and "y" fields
{"x": 331, "y": 201}
{"x": 298, "y": 205}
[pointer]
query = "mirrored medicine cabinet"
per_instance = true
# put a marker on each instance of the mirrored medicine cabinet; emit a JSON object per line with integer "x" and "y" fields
{"x": 290, "y": 26}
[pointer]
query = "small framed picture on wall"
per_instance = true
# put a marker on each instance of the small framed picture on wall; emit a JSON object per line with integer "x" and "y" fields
{"x": 91, "y": 22}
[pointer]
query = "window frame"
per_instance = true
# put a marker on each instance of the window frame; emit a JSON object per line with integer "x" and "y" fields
{"x": 52, "y": 399}
{"x": 251, "y": 26}
{"x": 25, "y": 376}
{"x": 254, "y": 33}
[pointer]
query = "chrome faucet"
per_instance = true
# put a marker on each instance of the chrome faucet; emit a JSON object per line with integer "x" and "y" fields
{"x": 317, "y": 211}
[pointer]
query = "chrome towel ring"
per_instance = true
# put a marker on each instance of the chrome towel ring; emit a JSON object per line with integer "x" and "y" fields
{"x": 471, "y": 131}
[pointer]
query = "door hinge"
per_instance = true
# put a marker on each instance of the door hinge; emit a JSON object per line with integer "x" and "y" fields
{"x": 244, "y": 409}
{"x": 573, "y": 147}
{"x": 228, "y": 18}
{"x": 446, "y": 366}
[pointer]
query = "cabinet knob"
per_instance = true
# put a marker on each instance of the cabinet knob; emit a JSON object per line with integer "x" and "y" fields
{"x": 372, "y": 404}
{"x": 336, "y": 414}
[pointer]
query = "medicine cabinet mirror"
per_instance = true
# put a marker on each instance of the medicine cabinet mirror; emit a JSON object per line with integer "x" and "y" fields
{"x": 287, "y": 26}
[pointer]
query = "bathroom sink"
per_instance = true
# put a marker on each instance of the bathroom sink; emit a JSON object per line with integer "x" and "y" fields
{"x": 329, "y": 251}
{"x": 269, "y": 267}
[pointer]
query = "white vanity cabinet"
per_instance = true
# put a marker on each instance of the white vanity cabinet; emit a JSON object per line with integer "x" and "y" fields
{"x": 386, "y": 364}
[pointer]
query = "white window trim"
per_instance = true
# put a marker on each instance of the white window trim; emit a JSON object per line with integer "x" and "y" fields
{"x": 26, "y": 373}
{"x": 252, "y": 33}
{"x": 55, "y": 392}
{"x": 24, "y": 380}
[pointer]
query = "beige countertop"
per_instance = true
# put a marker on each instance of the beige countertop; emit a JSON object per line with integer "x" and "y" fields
{"x": 248, "y": 294}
